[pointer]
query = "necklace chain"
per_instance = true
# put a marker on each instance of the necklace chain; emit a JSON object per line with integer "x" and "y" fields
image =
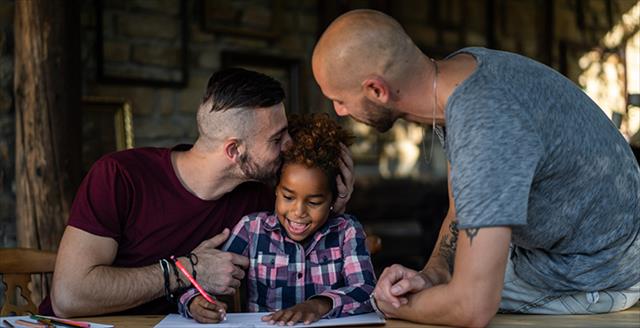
{"x": 433, "y": 126}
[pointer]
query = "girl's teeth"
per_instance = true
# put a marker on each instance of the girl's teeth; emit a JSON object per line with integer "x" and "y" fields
{"x": 297, "y": 227}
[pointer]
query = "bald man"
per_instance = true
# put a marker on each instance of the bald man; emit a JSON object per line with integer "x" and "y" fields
{"x": 544, "y": 193}
{"x": 138, "y": 207}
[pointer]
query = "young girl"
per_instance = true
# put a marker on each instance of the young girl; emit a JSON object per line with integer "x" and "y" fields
{"x": 306, "y": 264}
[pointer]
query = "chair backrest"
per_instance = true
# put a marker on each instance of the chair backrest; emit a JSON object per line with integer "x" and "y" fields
{"x": 16, "y": 266}
{"x": 373, "y": 244}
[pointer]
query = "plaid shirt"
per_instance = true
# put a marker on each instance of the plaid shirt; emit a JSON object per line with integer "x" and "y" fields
{"x": 283, "y": 273}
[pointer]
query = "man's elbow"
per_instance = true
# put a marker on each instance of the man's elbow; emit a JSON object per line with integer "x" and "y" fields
{"x": 478, "y": 312}
{"x": 62, "y": 302}
{"x": 481, "y": 319}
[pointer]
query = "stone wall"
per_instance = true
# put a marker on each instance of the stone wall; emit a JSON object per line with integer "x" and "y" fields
{"x": 162, "y": 116}
{"x": 141, "y": 39}
{"x": 143, "y": 42}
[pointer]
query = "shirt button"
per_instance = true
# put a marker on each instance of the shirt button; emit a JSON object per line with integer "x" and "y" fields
{"x": 299, "y": 275}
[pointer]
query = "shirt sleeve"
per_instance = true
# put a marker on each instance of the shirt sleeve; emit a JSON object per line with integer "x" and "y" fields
{"x": 358, "y": 274}
{"x": 101, "y": 205}
{"x": 238, "y": 241}
{"x": 185, "y": 301}
{"x": 495, "y": 150}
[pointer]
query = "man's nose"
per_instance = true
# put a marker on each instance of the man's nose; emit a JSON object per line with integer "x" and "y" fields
{"x": 286, "y": 142}
{"x": 340, "y": 110}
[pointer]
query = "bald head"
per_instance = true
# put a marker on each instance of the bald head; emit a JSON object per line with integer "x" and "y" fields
{"x": 361, "y": 43}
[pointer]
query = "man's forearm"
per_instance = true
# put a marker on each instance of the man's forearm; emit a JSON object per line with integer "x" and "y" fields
{"x": 440, "y": 266}
{"x": 106, "y": 289}
{"x": 472, "y": 296}
{"x": 439, "y": 305}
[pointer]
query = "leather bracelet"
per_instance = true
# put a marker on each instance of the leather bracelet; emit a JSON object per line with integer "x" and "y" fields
{"x": 374, "y": 305}
{"x": 164, "y": 265}
{"x": 180, "y": 284}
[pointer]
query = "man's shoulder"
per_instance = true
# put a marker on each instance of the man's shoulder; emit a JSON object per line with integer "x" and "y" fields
{"x": 135, "y": 159}
{"x": 136, "y": 154}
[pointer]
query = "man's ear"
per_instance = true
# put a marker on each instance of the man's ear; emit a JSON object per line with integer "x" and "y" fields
{"x": 376, "y": 89}
{"x": 233, "y": 149}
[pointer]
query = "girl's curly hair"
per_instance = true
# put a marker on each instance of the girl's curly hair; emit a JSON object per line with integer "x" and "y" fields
{"x": 316, "y": 143}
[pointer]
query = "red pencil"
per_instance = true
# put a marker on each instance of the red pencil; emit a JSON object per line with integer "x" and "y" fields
{"x": 193, "y": 281}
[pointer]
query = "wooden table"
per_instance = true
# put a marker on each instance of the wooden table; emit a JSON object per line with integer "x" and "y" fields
{"x": 628, "y": 318}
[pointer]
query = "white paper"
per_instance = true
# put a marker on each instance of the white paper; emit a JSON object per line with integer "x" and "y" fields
{"x": 255, "y": 320}
{"x": 12, "y": 320}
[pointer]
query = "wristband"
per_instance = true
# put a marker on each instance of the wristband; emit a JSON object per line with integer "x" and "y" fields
{"x": 374, "y": 305}
{"x": 179, "y": 283}
{"x": 164, "y": 265}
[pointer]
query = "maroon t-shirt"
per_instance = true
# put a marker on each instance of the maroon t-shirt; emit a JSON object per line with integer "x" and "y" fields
{"x": 135, "y": 197}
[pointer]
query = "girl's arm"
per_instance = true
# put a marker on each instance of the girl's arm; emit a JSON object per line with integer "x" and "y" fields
{"x": 240, "y": 237}
{"x": 357, "y": 272}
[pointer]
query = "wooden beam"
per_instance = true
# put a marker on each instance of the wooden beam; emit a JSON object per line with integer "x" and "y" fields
{"x": 47, "y": 85}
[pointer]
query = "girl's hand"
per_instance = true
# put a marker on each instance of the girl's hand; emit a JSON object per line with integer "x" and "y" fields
{"x": 307, "y": 312}
{"x": 205, "y": 312}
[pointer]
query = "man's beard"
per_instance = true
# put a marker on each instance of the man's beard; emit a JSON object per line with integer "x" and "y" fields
{"x": 379, "y": 117}
{"x": 266, "y": 174}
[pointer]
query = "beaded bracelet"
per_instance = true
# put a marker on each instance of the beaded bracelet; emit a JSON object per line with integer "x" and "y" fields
{"x": 193, "y": 258}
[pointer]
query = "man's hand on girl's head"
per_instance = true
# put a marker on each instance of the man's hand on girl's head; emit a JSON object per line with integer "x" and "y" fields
{"x": 344, "y": 181}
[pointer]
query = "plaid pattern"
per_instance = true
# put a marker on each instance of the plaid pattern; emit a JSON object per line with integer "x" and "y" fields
{"x": 283, "y": 273}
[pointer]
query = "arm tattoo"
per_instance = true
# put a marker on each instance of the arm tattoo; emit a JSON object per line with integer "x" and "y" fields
{"x": 471, "y": 233}
{"x": 448, "y": 244}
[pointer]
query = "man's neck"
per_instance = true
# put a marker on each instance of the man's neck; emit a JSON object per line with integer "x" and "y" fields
{"x": 451, "y": 73}
{"x": 204, "y": 174}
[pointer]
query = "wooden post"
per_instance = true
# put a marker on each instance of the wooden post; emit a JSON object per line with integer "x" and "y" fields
{"x": 47, "y": 85}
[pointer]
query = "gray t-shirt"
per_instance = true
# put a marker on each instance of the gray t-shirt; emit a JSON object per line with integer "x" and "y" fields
{"x": 529, "y": 150}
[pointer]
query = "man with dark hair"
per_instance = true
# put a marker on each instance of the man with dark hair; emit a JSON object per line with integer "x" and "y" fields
{"x": 138, "y": 207}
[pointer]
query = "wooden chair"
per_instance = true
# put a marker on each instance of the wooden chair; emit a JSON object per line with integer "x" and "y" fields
{"x": 16, "y": 267}
{"x": 373, "y": 243}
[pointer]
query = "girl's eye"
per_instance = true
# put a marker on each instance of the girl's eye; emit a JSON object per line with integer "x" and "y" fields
{"x": 315, "y": 203}
{"x": 287, "y": 197}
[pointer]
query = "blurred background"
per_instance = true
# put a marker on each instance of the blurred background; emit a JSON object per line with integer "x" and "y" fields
{"x": 139, "y": 69}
